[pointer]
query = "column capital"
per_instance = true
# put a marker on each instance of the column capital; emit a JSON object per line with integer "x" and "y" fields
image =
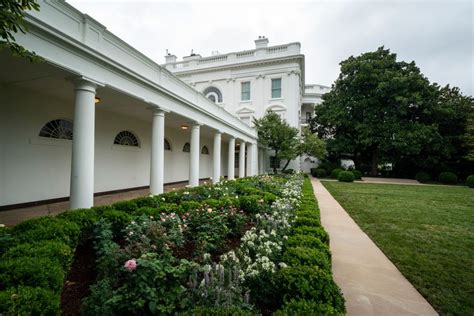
{"x": 85, "y": 83}
{"x": 156, "y": 108}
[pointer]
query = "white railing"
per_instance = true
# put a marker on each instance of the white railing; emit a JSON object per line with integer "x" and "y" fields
{"x": 277, "y": 49}
{"x": 212, "y": 59}
{"x": 245, "y": 54}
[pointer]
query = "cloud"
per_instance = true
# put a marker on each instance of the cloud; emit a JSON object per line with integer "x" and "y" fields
{"x": 437, "y": 35}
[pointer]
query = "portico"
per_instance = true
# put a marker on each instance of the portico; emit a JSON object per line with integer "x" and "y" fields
{"x": 119, "y": 128}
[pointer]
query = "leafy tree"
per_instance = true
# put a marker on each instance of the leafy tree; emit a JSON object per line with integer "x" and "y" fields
{"x": 469, "y": 136}
{"x": 12, "y": 14}
{"x": 381, "y": 110}
{"x": 312, "y": 145}
{"x": 278, "y": 135}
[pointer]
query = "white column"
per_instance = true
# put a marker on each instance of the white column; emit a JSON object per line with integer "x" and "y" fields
{"x": 242, "y": 159}
{"x": 231, "y": 159}
{"x": 252, "y": 157}
{"x": 157, "y": 152}
{"x": 194, "y": 156}
{"x": 216, "y": 161}
{"x": 249, "y": 161}
{"x": 82, "y": 165}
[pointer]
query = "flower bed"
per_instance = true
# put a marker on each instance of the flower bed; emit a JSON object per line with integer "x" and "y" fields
{"x": 253, "y": 245}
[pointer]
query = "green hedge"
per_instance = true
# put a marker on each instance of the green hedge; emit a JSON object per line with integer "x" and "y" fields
{"x": 307, "y": 284}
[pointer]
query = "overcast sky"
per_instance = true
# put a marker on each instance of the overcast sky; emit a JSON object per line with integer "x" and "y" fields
{"x": 437, "y": 35}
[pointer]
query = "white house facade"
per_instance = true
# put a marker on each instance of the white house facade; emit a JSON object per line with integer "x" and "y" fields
{"x": 252, "y": 82}
{"x": 95, "y": 115}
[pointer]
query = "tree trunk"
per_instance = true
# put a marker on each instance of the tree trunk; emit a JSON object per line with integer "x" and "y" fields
{"x": 375, "y": 163}
{"x": 286, "y": 165}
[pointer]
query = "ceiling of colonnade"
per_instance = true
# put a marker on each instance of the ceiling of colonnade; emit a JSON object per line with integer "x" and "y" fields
{"x": 47, "y": 79}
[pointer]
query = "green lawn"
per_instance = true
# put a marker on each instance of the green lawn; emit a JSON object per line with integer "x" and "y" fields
{"x": 427, "y": 232}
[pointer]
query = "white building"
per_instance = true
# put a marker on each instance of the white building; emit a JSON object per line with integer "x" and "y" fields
{"x": 98, "y": 116}
{"x": 249, "y": 83}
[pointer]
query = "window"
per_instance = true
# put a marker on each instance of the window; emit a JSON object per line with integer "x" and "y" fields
{"x": 204, "y": 150}
{"x": 276, "y": 88}
{"x": 167, "y": 145}
{"x": 213, "y": 94}
{"x": 126, "y": 138}
{"x": 274, "y": 163}
{"x": 245, "y": 93}
{"x": 60, "y": 129}
{"x": 187, "y": 148}
{"x": 308, "y": 117}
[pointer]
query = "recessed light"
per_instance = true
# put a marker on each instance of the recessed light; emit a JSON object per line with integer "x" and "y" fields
{"x": 97, "y": 100}
{"x": 184, "y": 126}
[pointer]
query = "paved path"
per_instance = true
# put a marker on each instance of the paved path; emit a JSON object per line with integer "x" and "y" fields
{"x": 390, "y": 180}
{"x": 371, "y": 284}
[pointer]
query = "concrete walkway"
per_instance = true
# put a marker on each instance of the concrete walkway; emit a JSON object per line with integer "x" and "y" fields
{"x": 371, "y": 284}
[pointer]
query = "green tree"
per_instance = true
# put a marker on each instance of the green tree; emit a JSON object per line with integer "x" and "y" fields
{"x": 12, "y": 14}
{"x": 381, "y": 110}
{"x": 469, "y": 136}
{"x": 284, "y": 140}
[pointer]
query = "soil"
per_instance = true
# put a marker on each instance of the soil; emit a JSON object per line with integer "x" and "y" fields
{"x": 81, "y": 276}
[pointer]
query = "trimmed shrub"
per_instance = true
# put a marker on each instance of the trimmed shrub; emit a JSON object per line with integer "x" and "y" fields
{"x": 311, "y": 283}
{"x": 125, "y": 206}
{"x": 317, "y": 232}
{"x": 304, "y": 256}
{"x": 309, "y": 214}
{"x": 269, "y": 198}
{"x": 39, "y": 272}
{"x": 422, "y": 177}
{"x": 25, "y": 300}
{"x": 251, "y": 203}
{"x": 470, "y": 181}
{"x": 149, "y": 201}
{"x": 171, "y": 208}
{"x": 335, "y": 173}
{"x": 306, "y": 221}
{"x": 345, "y": 176}
{"x": 217, "y": 311}
{"x": 55, "y": 250}
{"x": 448, "y": 178}
{"x": 357, "y": 174}
{"x": 85, "y": 218}
{"x": 48, "y": 228}
{"x": 147, "y": 210}
{"x": 118, "y": 220}
{"x": 321, "y": 173}
{"x": 288, "y": 171}
{"x": 190, "y": 205}
{"x": 313, "y": 171}
{"x": 299, "y": 240}
{"x": 307, "y": 307}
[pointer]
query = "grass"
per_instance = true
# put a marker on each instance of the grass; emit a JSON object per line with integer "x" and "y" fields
{"x": 427, "y": 232}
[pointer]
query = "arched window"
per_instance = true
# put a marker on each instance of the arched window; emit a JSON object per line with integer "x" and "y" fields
{"x": 205, "y": 150}
{"x": 187, "y": 147}
{"x": 213, "y": 94}
{"x": 167, "y": 145}
{"x": 126, "y": 138}
{"x": 60, "y": 129}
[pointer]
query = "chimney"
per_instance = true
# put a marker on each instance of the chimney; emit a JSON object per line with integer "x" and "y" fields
{"x": 170, "y": 59}
{"x": 261, "y": 42}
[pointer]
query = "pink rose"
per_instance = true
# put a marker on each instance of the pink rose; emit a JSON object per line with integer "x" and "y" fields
{"x": 130, "y": 265}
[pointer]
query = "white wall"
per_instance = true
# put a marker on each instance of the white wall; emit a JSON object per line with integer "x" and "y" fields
{"x": 34, "y": 168}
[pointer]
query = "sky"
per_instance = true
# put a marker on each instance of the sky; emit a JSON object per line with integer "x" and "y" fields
{"x": 437, "y": 35}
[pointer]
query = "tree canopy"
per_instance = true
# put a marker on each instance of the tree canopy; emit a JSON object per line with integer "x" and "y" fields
{"x": 12, "y": 14}
{"x": 275, "y": 133}
{"x": 381, "y": 110}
